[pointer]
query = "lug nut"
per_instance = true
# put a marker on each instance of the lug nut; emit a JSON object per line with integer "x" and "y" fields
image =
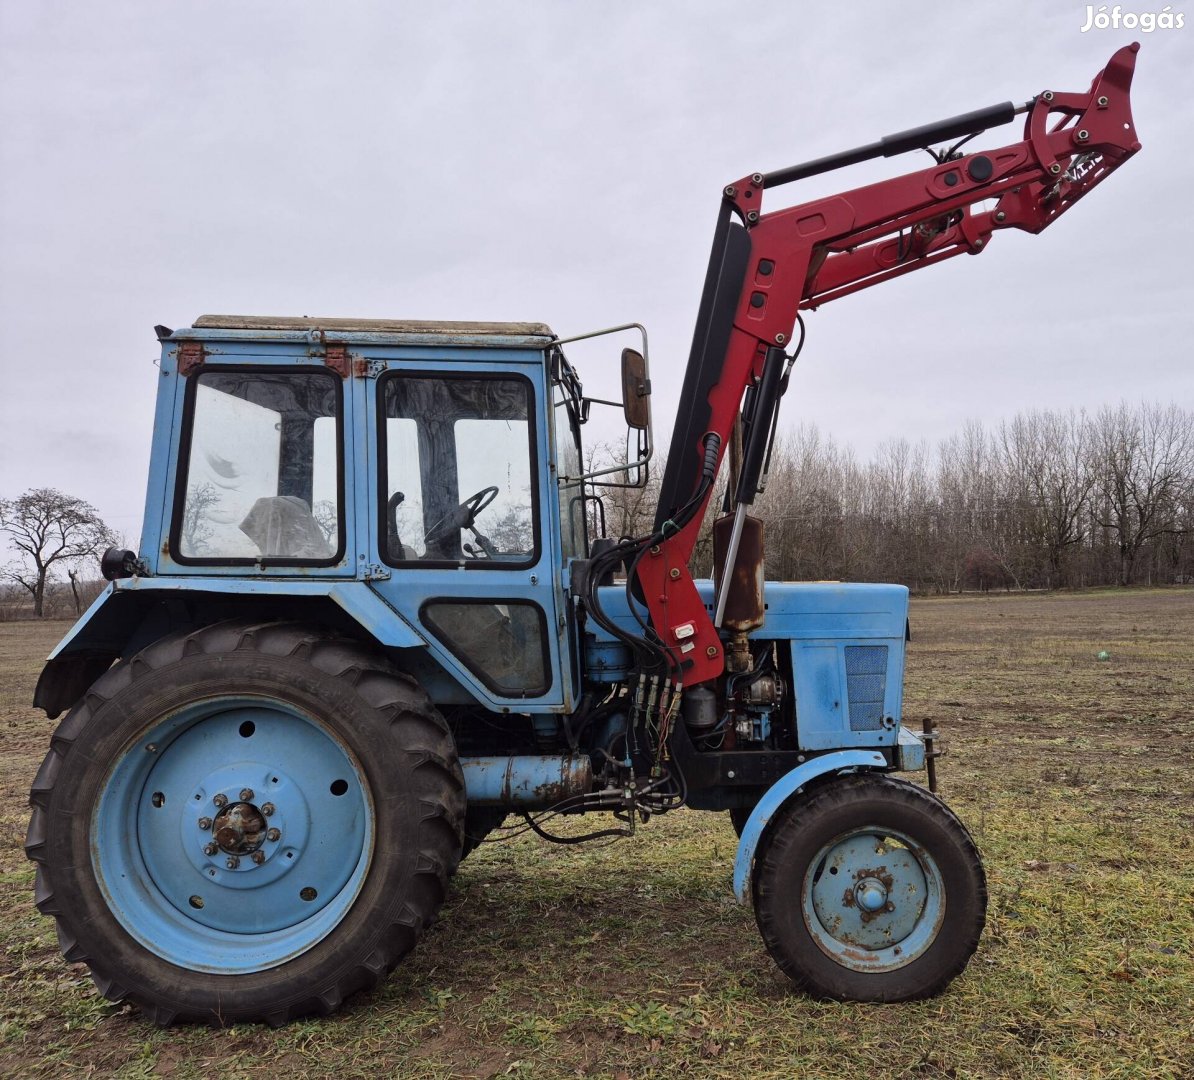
{"x": 221, "y": 800}
{"x": 210, "y": 849}
{"x": 258, "y": 857}
{"x": 205, "y": 823}
{"x": 889, "y": 906}
{"x": 274, "y": 834}
{"x": 232, "y": 863}
{"x": 267, "y": 808}
{"x": 246, "y": 794}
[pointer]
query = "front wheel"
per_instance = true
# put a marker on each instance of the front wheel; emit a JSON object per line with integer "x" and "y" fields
{"x": 870, "y": 889}
{"x": 247, "y": 822}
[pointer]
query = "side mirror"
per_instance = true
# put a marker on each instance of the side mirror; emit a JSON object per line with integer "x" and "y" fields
{"x": 636, "y": 390}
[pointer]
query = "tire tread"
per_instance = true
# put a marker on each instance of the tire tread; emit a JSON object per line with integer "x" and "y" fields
{"x": 399, "y": 702}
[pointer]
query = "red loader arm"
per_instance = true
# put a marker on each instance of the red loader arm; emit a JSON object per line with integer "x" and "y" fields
{"x": 768, "y": 267}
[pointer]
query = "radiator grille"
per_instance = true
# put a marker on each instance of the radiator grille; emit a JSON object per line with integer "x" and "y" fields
{"x": 866, "y": 678}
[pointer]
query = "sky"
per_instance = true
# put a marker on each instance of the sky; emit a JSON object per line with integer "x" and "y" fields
{"x": 549, "y": 161}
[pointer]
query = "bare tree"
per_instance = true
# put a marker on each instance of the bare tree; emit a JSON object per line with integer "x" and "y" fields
{"x": 1046, "y": 465}
{"x": 49, "y": 529}
{"x": 196, "y": 522}
{"x": 1143, "y": 459}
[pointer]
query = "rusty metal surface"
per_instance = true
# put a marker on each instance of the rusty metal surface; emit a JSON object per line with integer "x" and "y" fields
{"x": 239, "y": 828}
{"x": 526, "y": 780}
{"x": 375, "y": 326}
{"x": 744, "y": 598}
{"x": 336, "y": 357}
{"x": 190, "y": 356}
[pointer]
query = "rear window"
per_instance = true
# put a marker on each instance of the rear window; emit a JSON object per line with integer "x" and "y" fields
{"x": 259, "y": 474}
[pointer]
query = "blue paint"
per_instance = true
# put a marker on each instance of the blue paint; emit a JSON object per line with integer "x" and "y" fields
{"x": 873, "y": 899}
{"x": 846, "y": 643}
{"x": 527, "y": 780}
{"x": 606, "y": 661}
{"x": 185, "y": 903}
{"x": 779, "y": 793}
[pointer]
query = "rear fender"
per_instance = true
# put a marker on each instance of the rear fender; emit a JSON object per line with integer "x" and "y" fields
{"x": 131, "y": 613}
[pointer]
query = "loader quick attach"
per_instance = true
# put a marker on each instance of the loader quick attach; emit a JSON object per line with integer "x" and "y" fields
{"x": 374, "y": 611}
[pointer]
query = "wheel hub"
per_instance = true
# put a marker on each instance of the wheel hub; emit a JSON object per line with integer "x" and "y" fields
{"x": 870, "y": 894}
{"x": 239, "y": 829}
{"x": 871, "y": 901}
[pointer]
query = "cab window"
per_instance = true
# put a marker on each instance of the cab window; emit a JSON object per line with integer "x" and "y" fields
{"x": 260, "y": 467}
{"x": 458, "y": 471}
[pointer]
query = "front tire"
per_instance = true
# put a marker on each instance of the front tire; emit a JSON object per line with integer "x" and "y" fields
{"x": 870, "y": 889}
{"x": 246, "y": 822}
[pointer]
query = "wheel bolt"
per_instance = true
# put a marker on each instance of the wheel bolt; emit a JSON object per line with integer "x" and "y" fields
{"x": 205, "y": 823}
{"x": 210, "y": 849}
{"x": 246, "y": 794}
{"x": 274, "y": 834}
{"x": 232, "y": 863}
{"x": 258, "y": 857}
{"x": 267, "y": 808}
{"x": 221, "y": 800}
{"x": 889, "y": 906}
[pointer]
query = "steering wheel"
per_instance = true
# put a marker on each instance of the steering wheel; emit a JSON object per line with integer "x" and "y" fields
{"x": 461, "y": 518}
{"x": 474, "y": 504}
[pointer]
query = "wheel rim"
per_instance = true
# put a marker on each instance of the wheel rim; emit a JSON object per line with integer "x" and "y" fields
{"x": 873, "y": 899}
{"x": 233, "y": 835}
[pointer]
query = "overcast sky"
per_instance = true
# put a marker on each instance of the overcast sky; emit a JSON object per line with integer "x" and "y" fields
{"x": 551, "y": 161}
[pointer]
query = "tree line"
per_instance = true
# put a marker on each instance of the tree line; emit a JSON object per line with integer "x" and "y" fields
{"x": 1046, "y": 499}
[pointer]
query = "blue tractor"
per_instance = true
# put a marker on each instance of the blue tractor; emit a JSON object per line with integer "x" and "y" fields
{"x": 374, "y": 611}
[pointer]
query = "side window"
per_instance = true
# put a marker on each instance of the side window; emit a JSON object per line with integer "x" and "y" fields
{"x": 503, "y": 644}
{"x": 459, "y": 471}
{"x": 568, "y": 468}
{"x": 259, "y": 471}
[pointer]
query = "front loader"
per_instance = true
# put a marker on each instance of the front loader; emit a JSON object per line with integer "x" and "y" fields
{"x": 375, "y": 611}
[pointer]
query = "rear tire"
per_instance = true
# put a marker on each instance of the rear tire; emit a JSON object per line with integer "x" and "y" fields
{"x": 247, "y": 822}
{"x": 869, "y": 889}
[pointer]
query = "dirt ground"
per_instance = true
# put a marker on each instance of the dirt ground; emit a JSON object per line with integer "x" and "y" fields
{"x": 634, "y": 960}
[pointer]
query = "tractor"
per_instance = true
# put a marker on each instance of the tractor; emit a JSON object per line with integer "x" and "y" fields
{"x": 374, "y": 611}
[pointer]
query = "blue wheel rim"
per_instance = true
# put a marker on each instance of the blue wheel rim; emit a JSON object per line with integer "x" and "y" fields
{"x": 233, "y": 835}
{"x": 873, "y": 899}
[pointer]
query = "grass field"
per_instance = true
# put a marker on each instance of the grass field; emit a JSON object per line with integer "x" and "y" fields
{"x": 634, "y": 960}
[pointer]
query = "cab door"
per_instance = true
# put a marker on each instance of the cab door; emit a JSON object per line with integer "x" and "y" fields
{"x": 460, "y": 455}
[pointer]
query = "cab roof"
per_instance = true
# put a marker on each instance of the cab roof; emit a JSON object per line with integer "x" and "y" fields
{"x": 285, "y": 327}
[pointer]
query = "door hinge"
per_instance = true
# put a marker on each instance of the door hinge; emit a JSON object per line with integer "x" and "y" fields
{"x": 368, "y": 369}
{"x": 375, "y": 572}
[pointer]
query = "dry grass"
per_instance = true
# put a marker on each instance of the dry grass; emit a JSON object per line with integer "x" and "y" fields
{"x": 634, "y": 960}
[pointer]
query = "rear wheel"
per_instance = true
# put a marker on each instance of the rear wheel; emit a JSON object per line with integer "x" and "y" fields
{"x": 248, "y": 822}
{"x": 870, "y": 889}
